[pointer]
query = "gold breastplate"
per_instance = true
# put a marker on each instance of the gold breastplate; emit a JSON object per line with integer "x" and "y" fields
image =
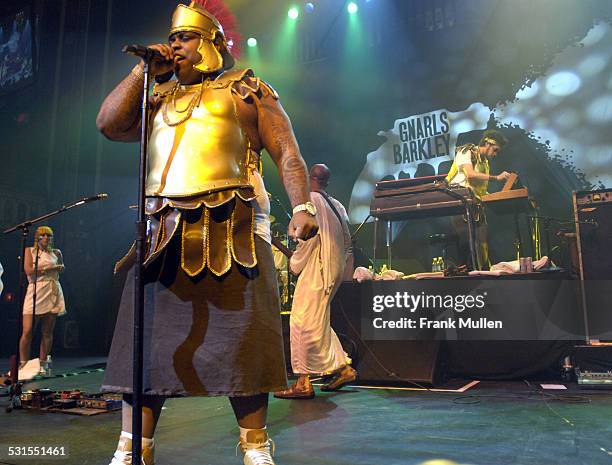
{"x": 207, "y": 152}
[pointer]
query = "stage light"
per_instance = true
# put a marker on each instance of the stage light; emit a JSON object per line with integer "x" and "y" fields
{"x": 309, "y": 7}
{"x": 293, "y": 13}
{"x": 352, "y": 8}
{"x": 252, "y": 42}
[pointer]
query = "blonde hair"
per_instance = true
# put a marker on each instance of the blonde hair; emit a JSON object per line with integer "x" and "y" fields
{"x": 39, "y": 232}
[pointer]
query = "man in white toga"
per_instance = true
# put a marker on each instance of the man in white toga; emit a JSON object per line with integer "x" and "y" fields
{"x": 320, "y": 263}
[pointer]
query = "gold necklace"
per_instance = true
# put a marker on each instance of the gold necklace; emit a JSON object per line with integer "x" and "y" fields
{"x": 193, "y": 103}
{"x": 175, "y": 107}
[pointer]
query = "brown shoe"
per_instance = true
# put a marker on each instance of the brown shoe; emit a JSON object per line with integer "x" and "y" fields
{"x": 347, "y": 375}
{"x": 295, "y": 393}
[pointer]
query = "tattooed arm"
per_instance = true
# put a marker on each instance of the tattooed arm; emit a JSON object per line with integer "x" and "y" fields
{"x": 276, "y": 135}
{"x": 119, "y": 116}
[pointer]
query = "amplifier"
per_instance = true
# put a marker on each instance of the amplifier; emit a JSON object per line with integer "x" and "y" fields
{"x": 593, "y": 216}
{"x": 598, "y": 197}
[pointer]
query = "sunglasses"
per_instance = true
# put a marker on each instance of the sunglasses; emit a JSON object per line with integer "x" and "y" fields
{"x": 46, "y": 235}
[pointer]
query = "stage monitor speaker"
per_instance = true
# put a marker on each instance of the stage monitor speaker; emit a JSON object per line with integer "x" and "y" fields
{"x": 381, "y": 361}
{"x": 593, "y": 216}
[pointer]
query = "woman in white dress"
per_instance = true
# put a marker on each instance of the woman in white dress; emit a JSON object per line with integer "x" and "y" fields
{"x": 49, "y": 295}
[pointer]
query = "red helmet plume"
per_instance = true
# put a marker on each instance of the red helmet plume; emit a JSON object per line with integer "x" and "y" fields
{"x": 228, "y": 22}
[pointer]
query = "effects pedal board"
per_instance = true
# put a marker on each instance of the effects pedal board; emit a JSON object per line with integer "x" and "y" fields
{"x": 594, "y": 380}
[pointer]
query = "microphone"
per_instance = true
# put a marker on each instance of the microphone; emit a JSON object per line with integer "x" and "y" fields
{"x": 141, "y": 51}
{"x": 93, "y": 198}
{"x": 148, "y": 53}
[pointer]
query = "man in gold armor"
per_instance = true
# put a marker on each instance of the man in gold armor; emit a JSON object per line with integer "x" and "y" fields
{"x": 212, "y": 316}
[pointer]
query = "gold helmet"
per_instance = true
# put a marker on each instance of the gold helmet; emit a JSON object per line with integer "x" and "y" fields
{"x": 194, "y": 18}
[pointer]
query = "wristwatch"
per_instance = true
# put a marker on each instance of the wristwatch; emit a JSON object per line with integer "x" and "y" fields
{"x": 308, "y": 207}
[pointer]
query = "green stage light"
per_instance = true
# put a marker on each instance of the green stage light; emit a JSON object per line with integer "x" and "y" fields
{"x": 252, "y": 42}
{"x": 352, "y": 8}
{"x": 293, "y": 13}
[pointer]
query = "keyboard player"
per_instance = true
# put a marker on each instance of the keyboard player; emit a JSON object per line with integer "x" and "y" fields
{"x": 471, "y": 169}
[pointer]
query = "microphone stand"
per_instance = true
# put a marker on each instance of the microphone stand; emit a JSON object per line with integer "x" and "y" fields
{"x": 138, "y": 338}
{"x": 561, "y": 222}
{"x": 358, "y": 250}
{"x": 354, "y": 235}
{"x": 15, "y": 389}
{"x": 35, "y": 284}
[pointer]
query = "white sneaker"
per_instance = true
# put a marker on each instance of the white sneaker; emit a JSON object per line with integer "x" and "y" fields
{"x": 123, "y": 454}
{"x": 259, "y": 448}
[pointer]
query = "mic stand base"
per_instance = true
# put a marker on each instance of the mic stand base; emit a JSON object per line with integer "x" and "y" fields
{"x": 15, "y": 386}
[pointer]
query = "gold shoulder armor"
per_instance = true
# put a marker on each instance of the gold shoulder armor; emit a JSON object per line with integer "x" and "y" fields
{"x": 249, "y": 85}
{"x": 234, "y": 75}
{"x": 267, "y": 89}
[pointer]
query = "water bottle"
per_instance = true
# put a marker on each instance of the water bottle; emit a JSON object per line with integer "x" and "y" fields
{"x": 49, "y": 366}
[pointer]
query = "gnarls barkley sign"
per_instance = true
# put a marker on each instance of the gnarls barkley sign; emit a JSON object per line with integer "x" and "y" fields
{"x": 422, "y": 137}
{"x": 428, "y": 138}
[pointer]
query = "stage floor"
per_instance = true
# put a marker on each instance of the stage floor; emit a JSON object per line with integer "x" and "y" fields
{"x": 491, "y": 423}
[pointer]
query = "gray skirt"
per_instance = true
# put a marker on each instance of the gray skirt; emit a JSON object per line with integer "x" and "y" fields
{"x": 203, "y": 336}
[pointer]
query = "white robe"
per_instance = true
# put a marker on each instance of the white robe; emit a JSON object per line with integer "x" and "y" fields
{"x": 320, "y": 262}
